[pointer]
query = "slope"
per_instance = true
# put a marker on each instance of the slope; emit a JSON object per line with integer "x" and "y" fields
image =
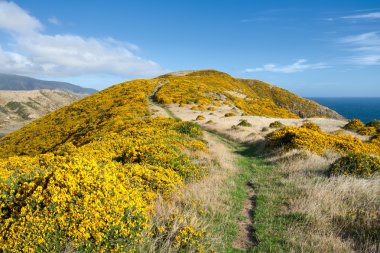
{"x": 207, "y": 89}
{"x": 18, "y": 108}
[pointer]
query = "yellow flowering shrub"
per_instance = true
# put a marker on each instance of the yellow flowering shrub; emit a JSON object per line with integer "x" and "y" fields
{"x": 86, "y": 176}
{"x": 358, "y": 164}
{"x": 317, "y": 141}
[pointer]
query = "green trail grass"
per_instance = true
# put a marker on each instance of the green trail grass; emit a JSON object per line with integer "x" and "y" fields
{"x": 271, "y": 201}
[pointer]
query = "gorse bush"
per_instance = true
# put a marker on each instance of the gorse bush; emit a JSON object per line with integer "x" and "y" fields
{"x": 357, "y": 126}
{"x": 276, "y": 124}
{"x": 244, "y": 123}
{"x": 358, "y": 164}
{"x": 354, "y": 125}
{"x": 86, "y": 177}
{"x": 311, "y": 126}
{"x": 374, "y": 123}
{"x": 229, "y": 114}
{"x": 318, "y": 142}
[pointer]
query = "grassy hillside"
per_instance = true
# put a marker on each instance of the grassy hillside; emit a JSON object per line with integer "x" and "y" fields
{"x": 86, "y": 176}
{"x": 104, "y": 175}
{"x": 211, "y": 88}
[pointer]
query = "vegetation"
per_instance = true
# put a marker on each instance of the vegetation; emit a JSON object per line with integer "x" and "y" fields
{"x": 229, "y": 114}
{"x": 355, "y": 164}
{"x": 92, "y": 186}
{"x": 200, "y": 117}
{"x": 244, "y": 123}
{"x": 318, "y": 142}
{"x": 212, "y": 88}
{"x": 357, "y": 126}
{"x": 276, "y": 124}
{"x": 311, "y": 126}
{"x": 374, "y": 123}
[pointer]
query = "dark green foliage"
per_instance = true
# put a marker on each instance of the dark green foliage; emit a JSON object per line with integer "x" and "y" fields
{"x": 374, "y": 123}
{"x": 276, "y": 124}
{"x": 244, "y": 123}
{"x": 358, "y": 164}
{"x": 354, "y": 125}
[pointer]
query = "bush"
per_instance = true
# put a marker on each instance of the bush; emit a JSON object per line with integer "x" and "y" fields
{"x": 290, "y": 138}
{"x": 211, "y": 108}
{"x": 229, "y": 114}
{"x": 244, "y": 123}
{"x": 374, "y": 123}
{"x": 200, "y": 117}
{"x": 354, "y": 125}
{"x": 276, "y": 124}
{"x": 358, "y": 164}
{"x": 367, "y": 131}
{"x": 264, "y": 129}
{"x": 311, "y": 126}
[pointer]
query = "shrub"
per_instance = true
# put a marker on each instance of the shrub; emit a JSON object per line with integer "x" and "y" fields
{"x": 264, "y": 129}
{"x": 229, "y": 114}
{"x": 374, "y": 123}
{"x": 200, "y": 117}
{"x": 358, "y": 164}
{"x": 276, "y": 124}
{"x": 367, "y": 131}
{"x": 311, "y": 126}
{"x": 244, "y": 123}
{"x": 318, "y": 142}
{"x": 376, "y": 139}
{"x": 354, "y": 125}
{"x": 234, "y": 127}
{"x": 210, "y": 122}
{"x": 211, "y": 108}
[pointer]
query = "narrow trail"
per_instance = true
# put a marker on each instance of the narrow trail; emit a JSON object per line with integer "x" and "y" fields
{"x": 155, "y": 108}
{"x": 245, "y": 239}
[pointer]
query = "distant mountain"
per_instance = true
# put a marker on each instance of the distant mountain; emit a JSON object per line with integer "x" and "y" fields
{"x": 16, "y": 82}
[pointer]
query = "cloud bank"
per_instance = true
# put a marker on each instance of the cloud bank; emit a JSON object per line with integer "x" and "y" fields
{"x": 32, "y": 52}
{"x": 298, "y": 66}
{"x": 366, "y": 47}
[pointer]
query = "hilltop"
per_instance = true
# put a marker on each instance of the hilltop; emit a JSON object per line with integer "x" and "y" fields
{"x": 16, "y": 82}
{"x": 254, "y": 167}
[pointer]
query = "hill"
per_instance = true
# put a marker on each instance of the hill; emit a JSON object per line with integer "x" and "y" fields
{"x": 210, "y": 88}
{"x": 18, "y": 108}
{"x": 118, "y": 171}
{"x": 16, "y": 82}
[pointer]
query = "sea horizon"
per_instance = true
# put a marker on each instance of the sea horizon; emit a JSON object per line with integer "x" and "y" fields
{"x": 363, "y": 108}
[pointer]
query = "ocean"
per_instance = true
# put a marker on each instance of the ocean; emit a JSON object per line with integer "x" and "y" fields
{"x": 365, "y": 109}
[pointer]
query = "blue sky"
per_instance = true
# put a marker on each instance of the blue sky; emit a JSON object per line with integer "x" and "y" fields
{"x": 313, "y": 48}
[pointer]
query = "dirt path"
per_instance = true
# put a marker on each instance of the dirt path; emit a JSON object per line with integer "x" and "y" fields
{"x": 245, "y": 237}
{"x": 156, "y": 109}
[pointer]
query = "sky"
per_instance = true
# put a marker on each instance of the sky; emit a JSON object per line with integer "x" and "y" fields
{"x": 313, "y": 48}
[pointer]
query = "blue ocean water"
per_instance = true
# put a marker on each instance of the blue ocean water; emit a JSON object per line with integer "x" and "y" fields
{"x": 365, "y": 109}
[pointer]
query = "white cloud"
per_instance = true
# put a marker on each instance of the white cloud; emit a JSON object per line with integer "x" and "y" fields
{"x": 298, "y": 66}
{"x": 34, "y": 53}
{"x": 370, "y": 15}
{"x": 54, "y": 21}
{"x": 15, "y": 19}
{"x": 366, "y": 47}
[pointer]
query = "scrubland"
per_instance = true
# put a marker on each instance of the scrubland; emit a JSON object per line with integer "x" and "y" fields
{"x": 120, "y": 172}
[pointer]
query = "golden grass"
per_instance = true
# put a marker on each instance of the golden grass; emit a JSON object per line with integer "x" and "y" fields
{"x": 198, "y": 203}
{"x": 329, "y": 205}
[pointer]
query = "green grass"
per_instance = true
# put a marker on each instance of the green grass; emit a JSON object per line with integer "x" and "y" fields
{"x": 271, "y": 217}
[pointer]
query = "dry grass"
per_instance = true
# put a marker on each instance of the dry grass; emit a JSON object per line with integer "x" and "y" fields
{"x": 198, "y": 203}
{"x": 328, "y": 205}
